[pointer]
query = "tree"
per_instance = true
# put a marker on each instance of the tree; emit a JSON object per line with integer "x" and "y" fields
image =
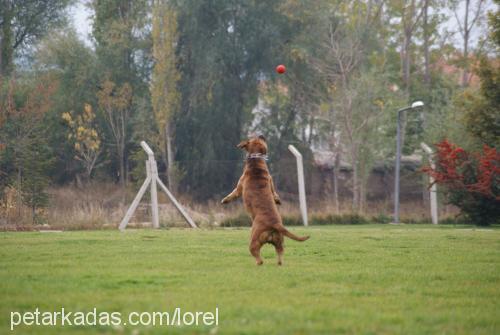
{"x": 427, "y": 74}
{"x": 494, "y": 23}
{"x": 482, "y": 111}
{"x": 37, "y": 161}
{"x": 23, "y": 22}
{"x": 26, "y": 158}
{"x": 431, "y": 21}
{"x": 120, "y": 30}
{"x": 359, "y": 89}
{"x": 165, "y": 95}
{"x": 410, "y": 13}
{"x": 225, "y": 48}
{"x": 115, "y": 103}
{"x": 85, "y": 138}
{"x": 465, "y": 28}
{"x": 65, "y": 57}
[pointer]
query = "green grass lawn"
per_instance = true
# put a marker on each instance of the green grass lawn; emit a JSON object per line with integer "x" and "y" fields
{"x": 375, "y": 279}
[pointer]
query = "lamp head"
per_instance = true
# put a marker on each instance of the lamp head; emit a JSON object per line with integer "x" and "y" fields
{"x": 417, "y": 104}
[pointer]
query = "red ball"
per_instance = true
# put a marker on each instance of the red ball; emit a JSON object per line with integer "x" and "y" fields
{"x": 281, "y": 69}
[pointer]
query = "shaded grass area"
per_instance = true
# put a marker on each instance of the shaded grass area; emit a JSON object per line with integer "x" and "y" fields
{"x": 366, "y": 279}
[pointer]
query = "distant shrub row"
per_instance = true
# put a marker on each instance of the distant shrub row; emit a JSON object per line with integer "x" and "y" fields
{"x": 243, "y": 220}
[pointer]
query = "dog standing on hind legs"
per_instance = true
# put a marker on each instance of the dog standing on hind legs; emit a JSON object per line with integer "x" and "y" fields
{"x": 260, "y": 200}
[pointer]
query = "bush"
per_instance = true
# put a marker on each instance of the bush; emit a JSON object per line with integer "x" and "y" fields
{"x": 471, "y": 181}
{"x": 292, "y": 220}
{"x": 347, "y": 219}
{"x": 450, "y": 220}
{"x": 243, "y": 220}
{"x": 381, "y": 218}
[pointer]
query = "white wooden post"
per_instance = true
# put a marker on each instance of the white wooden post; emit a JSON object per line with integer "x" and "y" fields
{"x": 177, "y": 204}
{"x": 154, "y": 195}
{"x": 153, "y": 173}
{"x": 433, "y": 190}
{"x": 136, "y": 201}
{"x": 302, "y": 187}
{"x": 153, "y": 178}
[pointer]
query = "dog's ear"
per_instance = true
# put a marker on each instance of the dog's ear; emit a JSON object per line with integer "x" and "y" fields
{"x": 243, "y": 144}
{"x": 262, "y": 138}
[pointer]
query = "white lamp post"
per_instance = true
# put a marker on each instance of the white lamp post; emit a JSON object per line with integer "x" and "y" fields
{"x": 413, "y": 106}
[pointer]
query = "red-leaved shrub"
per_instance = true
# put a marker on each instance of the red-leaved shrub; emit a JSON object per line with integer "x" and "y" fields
{"x": 470, "y": 180}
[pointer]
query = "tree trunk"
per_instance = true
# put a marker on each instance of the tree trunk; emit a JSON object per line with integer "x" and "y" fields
{"x": 126, "y": 167}
{"x": 19, "y": 193}
{"x": 6, "y": 48}
{"x": 121, "y": 158}
{"x": 170, "y": 160}
{"x": 362, "y": 195}
{"x": 355, "y": 189}
{"x": 466, "y": 45}
{"x": 369, "y": 10}
{"x": 406, "y": 61}
{"x": 336, "y": 168}
{"x": 78, "y": 181}
{"x": 355, "y": 180}
{"x": 427, "y": 72}
{"x": 122, "y": 169}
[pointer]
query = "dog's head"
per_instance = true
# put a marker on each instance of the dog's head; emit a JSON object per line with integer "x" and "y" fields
{"x": 255, "y": 145}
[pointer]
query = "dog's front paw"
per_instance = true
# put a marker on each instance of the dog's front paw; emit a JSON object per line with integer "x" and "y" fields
{"x": 224, "y": 201}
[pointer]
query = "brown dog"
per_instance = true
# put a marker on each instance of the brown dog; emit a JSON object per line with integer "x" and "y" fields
{"x": 260, "y": 199}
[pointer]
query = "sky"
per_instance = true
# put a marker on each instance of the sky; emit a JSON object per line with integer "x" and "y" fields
{"x": 81, "y": 19}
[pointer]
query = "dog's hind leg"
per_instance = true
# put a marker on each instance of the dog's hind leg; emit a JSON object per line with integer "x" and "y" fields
{"x": 255, "y": 246}
{"x": 256, "y": 242}
{"x": 280, "y": 250}
{"x": 278, "y": 245}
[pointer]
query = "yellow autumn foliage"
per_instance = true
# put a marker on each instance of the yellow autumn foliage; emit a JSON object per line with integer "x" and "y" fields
{"x": 83, "y": 133}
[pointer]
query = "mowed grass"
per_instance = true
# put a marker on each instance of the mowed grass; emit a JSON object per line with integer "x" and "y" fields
{"x": 374, "y": 279}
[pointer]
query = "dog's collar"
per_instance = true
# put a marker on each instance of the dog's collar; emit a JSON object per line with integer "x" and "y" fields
{"x": 257, "y": 156}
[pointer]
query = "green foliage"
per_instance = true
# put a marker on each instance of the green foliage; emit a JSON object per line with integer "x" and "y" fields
{"x": 241, "y": 220}
{"x": 117, "y": 28}
{"x": 66, "y": 58}
{"x": 143, "y": 129}
{"x": 382, "y": 218}
{"x": 37, "y": 162}
{"x": 437, "y": 120}
{"x": 26, "y": 159}
{"x": 165, "y": 96}
{"x": 115, "y": 104}
{"x": 494, "y": 22}
{"x": 24, "y": 22}
{"x": 482, "y": 112}
{"x": 120, "y": 30}
{"x": 199, "y": 76}
{"x": 224, "y": 49}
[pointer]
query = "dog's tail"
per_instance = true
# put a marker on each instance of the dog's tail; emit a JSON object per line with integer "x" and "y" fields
{"x": 285, "y": 232}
